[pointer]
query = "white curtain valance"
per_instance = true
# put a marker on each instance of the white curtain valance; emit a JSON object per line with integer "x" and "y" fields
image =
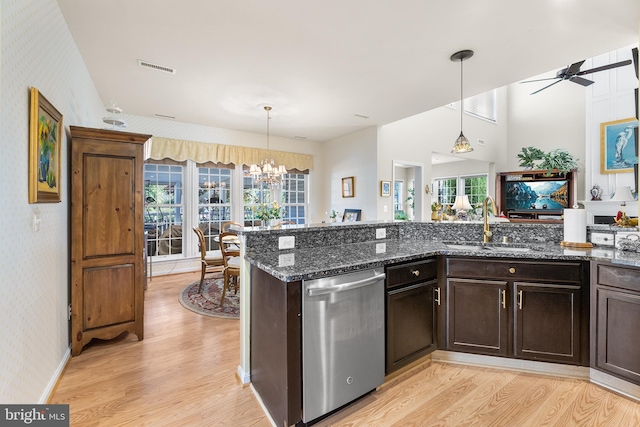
{"x": 202, "y": 152}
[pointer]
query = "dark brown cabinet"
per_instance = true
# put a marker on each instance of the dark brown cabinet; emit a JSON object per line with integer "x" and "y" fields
{"x": 411, "y": 302}
{"x": 616, "y": 320}
{"x": 529, "y": 310}
{"x": 477, "y": 316}
{"x": 107, "y": 240}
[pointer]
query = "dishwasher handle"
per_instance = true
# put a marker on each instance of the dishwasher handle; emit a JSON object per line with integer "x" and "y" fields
{"x": 345, "y": 286}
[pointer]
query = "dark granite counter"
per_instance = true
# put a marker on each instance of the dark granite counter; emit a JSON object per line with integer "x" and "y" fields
{"x": 309, "y": 263}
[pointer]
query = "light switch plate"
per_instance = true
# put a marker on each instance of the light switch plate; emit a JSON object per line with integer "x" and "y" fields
{"x": 286, "y": 242}
{"x": 381, "y": 233}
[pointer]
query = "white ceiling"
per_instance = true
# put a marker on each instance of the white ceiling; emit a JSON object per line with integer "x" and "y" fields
{"x": 321, "y": 62}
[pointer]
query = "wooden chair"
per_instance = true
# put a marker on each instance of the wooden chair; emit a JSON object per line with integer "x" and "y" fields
{"x": 210, "y": 263}
{"x": 231, "y": 259}
{"x": 226, "y": 225}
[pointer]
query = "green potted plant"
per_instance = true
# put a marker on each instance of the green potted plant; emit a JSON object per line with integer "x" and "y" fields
{"x": 558, "y": 159}
{"x": 529, "y": 156}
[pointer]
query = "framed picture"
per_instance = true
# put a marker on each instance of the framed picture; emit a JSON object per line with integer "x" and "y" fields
{"x": 617, "y": 146}
{"x": 45, "y": 146}
{"x": 385, "y": 188}
{"x": 351, "y": 215}
{"x": 348, "y": 186}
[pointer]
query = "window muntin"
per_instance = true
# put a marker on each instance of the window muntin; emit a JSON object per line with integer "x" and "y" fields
{"x": 475, "y": 187}
{"x": 446, "y": 190}
{"x": 294, "y": 198}
{"x": 214, "y": 201}
{"x": 163, "y": 192}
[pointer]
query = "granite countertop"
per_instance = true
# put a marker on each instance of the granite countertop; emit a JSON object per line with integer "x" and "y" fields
{"x": 301, "y": 264}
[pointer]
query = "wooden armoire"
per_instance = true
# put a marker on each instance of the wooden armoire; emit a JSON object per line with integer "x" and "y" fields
{"x": 107, "y": 235}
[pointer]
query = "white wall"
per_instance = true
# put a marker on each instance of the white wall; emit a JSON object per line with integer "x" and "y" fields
{"x": 36, "y": 50}
{"x": 352, "y": 155}
{"x": 414, "y": 139}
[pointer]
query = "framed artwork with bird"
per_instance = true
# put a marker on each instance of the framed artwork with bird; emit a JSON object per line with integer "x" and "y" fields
{"x": 617, "y": 146}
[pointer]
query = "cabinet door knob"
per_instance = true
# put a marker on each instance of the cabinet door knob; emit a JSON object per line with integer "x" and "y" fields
{"x": 415, "y": 272}
{"x": 512, "y": 270}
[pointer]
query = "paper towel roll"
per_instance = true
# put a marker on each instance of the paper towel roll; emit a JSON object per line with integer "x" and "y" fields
{"x": 575, "y": 225}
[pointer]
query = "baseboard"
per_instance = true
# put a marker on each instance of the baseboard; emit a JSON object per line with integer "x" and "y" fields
{"x": 615, "y": 384}
{"x": 264, "y": 408}
{"x": 555, "y": 369}
{"x": 243, "y": 377}
{"x": 47, "y": 394}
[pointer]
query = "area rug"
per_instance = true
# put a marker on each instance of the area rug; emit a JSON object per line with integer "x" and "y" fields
{"x": 208, "y": 301}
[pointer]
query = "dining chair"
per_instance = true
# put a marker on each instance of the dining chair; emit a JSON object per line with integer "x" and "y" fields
{"x": 226, "y": 225}
{"x": 211, "y": 262}
{"x": 231, "y": 259}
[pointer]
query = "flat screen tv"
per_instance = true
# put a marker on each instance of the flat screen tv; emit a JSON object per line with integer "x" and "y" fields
{"x": 537, "y": 195}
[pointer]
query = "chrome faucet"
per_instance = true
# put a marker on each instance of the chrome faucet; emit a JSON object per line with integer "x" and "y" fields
{"x": 487, "y": 233}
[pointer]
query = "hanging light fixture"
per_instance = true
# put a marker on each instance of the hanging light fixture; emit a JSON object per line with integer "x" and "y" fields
{"x": 462, "y": 144}
{"x": 267, "y": 173}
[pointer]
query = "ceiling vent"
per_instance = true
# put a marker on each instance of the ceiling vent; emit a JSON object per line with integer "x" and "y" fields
{"x": 156, "y": 67}
{"x": 164, "y": 116}
{"x": 362, "y": 116}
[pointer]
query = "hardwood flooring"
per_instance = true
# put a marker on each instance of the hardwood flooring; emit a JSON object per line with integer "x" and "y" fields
{"x": 183, "y": 374}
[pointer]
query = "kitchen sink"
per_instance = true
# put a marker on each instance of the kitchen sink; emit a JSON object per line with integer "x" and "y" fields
{"x": 486, "y": 247}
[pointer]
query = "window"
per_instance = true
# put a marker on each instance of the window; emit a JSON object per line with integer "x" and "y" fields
{"x": 294, "y": 197}
{"x": 446, "y": 190}
{"x": 483, "y": 106}
{"x": 163, "y": 193}
{"x": 214, "y": 201}
{"x": 253, "y": 195}
{"x": 475, "y": 187}
{"x": 398, "y": 191}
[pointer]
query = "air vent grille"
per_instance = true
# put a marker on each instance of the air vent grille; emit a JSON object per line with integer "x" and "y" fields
{"x": 156, "y": 67}
{"x": 164, "y": 116}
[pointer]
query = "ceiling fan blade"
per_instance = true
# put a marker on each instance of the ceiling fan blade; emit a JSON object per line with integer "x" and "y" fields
{"x": 605, "y": 67}
{"x": 574, "y": 68}
{"x": 539, "y": 80}
{"x": 539, "y": 90}
{"x": 581, "y": 81}
{"x": 634, "y": 53}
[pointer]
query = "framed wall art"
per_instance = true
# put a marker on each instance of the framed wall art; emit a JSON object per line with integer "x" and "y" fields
{"x": 351, "y": 215}
{"x": 617, "y": 146}
{"x": 385, "y": 188}
{"x": 348, "y": 186}
{"x": 45, "y": 141}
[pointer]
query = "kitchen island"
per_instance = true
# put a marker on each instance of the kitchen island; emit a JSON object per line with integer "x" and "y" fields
{"x": 278, "y": 274}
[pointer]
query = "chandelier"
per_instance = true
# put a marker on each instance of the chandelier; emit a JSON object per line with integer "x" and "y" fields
{"x": 267, "y": 172}
{"x": 462, "y": 144}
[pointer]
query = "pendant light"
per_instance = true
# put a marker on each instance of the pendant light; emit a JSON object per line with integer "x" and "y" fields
{"x": 462, "y": 144}
{"x": 268, "y": 172}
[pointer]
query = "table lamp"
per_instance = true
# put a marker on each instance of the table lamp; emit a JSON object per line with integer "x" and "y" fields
{"x": 623, "y": 195}
{"x": 461, "y": 206}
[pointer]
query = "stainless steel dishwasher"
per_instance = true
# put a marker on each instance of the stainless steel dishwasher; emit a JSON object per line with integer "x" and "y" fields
{"x": 342, "y": 340}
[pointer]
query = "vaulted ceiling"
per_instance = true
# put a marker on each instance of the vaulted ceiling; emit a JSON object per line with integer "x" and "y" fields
{"x": 322, "y": 63}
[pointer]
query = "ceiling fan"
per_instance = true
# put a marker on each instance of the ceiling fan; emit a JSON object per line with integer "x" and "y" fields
{"x": 573, "y": 73}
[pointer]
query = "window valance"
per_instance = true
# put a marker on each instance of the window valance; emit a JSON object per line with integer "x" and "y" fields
{"x": 202, "y": 152}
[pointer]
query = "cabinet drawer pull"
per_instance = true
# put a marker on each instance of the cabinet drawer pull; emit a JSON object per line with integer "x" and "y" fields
{"x": 416, "y": 273}
{"x": 437, "y": 290}
{"x": 504, "y": 298}
{"x": 520, "y": 300}
{"x": 512, "y": 270}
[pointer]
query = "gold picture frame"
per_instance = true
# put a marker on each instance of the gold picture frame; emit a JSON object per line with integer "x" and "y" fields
{"x": 45, "y": 150}
{"x": 385, "y": 188}
{"x": 348, "y": 186}
{"x": 617, "y": 146}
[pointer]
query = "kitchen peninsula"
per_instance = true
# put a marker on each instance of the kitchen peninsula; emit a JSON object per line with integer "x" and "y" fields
{"x": 543, "y": 304}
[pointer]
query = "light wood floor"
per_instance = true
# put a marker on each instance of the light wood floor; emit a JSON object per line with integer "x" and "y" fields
{"x": 183, "y": 374}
